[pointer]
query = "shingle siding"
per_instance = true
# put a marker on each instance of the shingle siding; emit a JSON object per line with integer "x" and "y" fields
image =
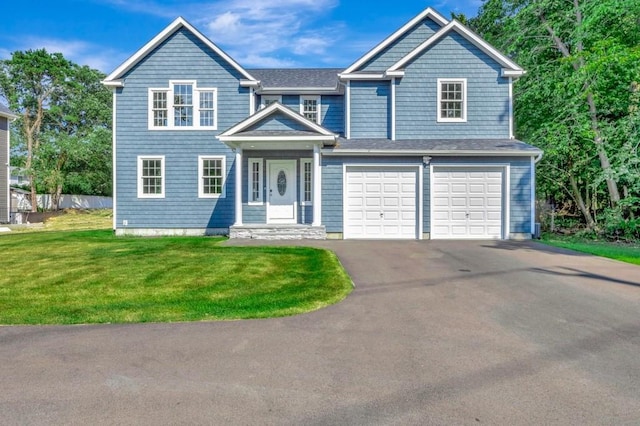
{"x": 487, "y": 93}
{"x": 181, "y": 57}
{"x": 370, "y": 109}
{"x": 333, "y": 113}
{"x": 401, "y": 47}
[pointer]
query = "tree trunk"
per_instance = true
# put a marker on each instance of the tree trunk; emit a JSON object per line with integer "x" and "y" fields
{"x": 577, "y": 195}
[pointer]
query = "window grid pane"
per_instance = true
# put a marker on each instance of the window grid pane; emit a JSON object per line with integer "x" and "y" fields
{"x": 255, "y": 181}
{"x": 451, "y": 100}
{"x": 183, "y": 105}
{"x": 212, "y": 176}
{"x": 207, "y": 105}
{"x": 310, "y": 109}
{"x": 307, "y": 181}
{"x": 159, "y": 107}
{"x": 152, "y": 176}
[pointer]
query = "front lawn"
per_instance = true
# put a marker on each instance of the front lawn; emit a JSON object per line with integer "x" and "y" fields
{"x": 93, "y": 277}
{"x": 624, "y": 252}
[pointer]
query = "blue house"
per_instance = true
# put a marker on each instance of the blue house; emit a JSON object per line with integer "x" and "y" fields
{"x": 6, "y": 116}
{"x": 414, "y": 140}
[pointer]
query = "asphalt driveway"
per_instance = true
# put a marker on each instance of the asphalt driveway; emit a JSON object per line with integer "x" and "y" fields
{"x": 434, "y": 333}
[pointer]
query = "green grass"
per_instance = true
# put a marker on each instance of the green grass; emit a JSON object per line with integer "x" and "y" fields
{"x": 73, "y": 277}
{"x": 629, "y": 253}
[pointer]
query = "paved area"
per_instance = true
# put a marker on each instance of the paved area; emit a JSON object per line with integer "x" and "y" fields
{"x": 434, "y": 333}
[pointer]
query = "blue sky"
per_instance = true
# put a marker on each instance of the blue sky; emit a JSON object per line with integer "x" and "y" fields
{"x": 257, "y": 33}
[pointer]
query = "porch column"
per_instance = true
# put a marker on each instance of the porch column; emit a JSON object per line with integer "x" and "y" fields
{"x": 238, "y": 187}
{"x": 317, "y": 187}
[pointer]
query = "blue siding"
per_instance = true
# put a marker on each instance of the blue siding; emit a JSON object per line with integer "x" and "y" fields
{"x": 333, "y": 113}
{"x": 487, "y": 97}
{"x": 370, "y": 109}
{"x": 401, "y": 47}
{"x": 182, "y": 56}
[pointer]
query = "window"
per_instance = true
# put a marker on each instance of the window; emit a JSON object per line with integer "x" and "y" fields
{"x": 452, "y": 103}
{"x": 211, "y": 177}
{"x": 306, "y": 181}
{"x": 267, "y": 100}
{"x": 255, "y": 181}
{"x": 151, "y": 177}
{"x": 310, "y": 108}
{"x": 183, "y": 105}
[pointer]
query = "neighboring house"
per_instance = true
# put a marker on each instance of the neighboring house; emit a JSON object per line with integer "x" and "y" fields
{"x": 414, "y": 140}
{"x": 18, "y": 177}
{"x": 6, "y": 116}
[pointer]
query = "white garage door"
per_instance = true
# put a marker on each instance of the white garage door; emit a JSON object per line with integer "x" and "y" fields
{"x": 381, "y": 202}
{"x": 466, "y": 203}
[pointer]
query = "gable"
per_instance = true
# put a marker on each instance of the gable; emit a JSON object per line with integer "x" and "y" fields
{"x": 419, "y": 22}
{"x": 115, "y": 78}
{"x": 402, "y": 46}
{"x": 278, "y": 122}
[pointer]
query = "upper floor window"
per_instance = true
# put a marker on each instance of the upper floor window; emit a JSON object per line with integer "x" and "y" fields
{"x": 452, "y": 100}
{"x": 310, "y": 108}
{"x": 266, "y": 100}
{"x": 183, "y": 105}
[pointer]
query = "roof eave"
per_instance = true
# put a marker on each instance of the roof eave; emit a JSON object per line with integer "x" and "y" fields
{"x": 440, "y": 152}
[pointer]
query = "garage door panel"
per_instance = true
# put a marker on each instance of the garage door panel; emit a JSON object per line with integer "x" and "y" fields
{"x": 389, "y": 206}
{"x": 466, "y": 202}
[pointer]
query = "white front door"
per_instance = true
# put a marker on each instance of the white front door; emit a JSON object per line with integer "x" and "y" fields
{"x": 281, "y": 191}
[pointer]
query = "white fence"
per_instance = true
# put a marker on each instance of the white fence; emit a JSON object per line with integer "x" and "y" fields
{"x": 77, "y": 202}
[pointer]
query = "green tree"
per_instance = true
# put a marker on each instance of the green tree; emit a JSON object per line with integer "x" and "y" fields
{"x": 66, "y": 121}
{"x": 583, "y": 62}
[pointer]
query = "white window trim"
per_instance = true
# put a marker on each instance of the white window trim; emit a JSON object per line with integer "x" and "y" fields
{"x": 196, "y": 106}
{"x": 464, "y": 100}
{"x": 316, "y": 98}
{"x": 223, "y": 166}
{"x": 263, "y": 98}
{"x": 250, "y": 164}
{"x": 163, "y": 176}
{"x": 304, "y": 161}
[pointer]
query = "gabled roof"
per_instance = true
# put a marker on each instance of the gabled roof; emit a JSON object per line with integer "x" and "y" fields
{"x": 6, "y": 112}
{"x": 320, "y": 79}
{"x": 113, "y": 79}
{"x": 428, "y": 12}
{"x": 510, "y": 68}
{"x": 242, "y": 130}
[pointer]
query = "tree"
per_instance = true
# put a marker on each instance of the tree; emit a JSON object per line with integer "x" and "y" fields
{"x": 66, "y": 121}
{"x": 583, "y": 61}
{"x": 29, "y": 81}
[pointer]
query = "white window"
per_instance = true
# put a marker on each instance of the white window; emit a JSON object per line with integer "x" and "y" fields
{"x": 452, "y": 100}
{"x": 255, "y": 181}
{"x": 266, "y": 100}
{"x": 183, "y": 105}
{"x": 306, "y": 181}
{"x": 151, "y": 177}
{"x": 310, "y": 108}
{"x": 211, "y": 176}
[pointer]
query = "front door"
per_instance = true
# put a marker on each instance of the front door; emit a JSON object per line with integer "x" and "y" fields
{"x": 281, "y": 191}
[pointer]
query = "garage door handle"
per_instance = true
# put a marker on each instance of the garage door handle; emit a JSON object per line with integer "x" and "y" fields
{"x": 381, "y": 214}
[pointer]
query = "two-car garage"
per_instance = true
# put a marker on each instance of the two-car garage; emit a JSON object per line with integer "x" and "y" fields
{"x": 386, "y": 202}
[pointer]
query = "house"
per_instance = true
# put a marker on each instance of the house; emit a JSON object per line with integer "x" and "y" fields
{"x": 6, "y": 116}
{"x": 413, "y": 140}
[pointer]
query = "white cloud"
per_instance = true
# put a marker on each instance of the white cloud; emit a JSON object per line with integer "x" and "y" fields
{"x": 260, "y": 31}
{"x": 78, "y": 51}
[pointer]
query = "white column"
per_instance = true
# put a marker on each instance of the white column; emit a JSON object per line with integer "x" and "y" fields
{"x": 393, "y": 109}
{"x": 317, "y": 187}
{"x": 238, "y": 187}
